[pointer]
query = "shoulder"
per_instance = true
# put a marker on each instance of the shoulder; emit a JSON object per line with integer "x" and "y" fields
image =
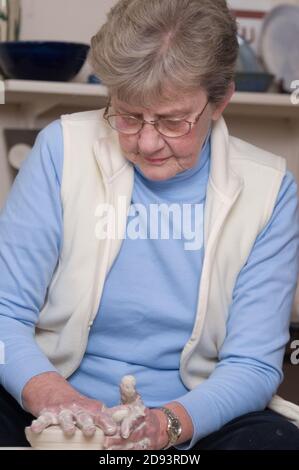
{"x": 84, "y": 116}
{"x": 289, "y": 183}
{"x": 48, "y": 147}
{"x": 51, "y": 135}
{"x": 86, "y": 125}
{"x": 287, "y": 198}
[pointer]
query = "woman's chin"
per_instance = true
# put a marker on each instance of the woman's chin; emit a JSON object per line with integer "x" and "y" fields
{"x": 157, "y": 173}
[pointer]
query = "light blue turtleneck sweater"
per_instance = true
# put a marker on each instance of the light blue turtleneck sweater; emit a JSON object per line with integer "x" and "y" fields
{"x": 149, "y": 302}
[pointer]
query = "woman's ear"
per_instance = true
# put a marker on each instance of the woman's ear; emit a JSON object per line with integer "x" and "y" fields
{"x": 220, "y": 107}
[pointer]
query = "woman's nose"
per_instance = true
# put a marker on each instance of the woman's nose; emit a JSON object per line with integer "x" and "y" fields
{"x": 149, "y": 140}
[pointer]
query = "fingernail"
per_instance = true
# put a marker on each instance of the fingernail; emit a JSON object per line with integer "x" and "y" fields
{"x": 89, "y": 432}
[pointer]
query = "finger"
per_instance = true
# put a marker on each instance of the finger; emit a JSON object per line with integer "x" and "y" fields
{"x": 134, "y": 419}
{"x": 67, "y": 422}
{"x": 85, "y": 422}
{"x": 139, "y": 445}
{"x": 118, "y": 440}
{"x": 46, "y": 419}
{"x": 106, "y": 423}
{"x": 119, "y": 413}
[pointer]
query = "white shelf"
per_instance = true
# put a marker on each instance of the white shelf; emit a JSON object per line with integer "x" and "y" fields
{"x": 43, "y": 96}
{"x": 273, "y": 105}
{"x": 274, "y": 99}
{"x": 38, "y": 97}
{"x": 23, "y": 87}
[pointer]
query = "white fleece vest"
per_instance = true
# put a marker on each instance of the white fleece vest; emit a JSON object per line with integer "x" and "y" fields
{"x": 243, "y": 186}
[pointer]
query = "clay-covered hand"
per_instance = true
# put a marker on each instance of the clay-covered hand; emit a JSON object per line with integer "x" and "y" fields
{"x": 83, "y": 413}
{"x": 145, "y": 433}
{"x": 138, "y": 426}
{"x": 131, "y": 412}
{"x": 55, "y": 402}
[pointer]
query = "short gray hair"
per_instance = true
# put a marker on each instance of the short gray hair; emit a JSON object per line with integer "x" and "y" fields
{"x": 149, "y": 47}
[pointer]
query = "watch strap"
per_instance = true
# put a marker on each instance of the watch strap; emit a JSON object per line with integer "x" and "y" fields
{"x": 174, "y": 428}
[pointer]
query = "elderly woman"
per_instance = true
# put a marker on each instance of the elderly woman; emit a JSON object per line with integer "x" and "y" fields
{"x": 144, "y": 240}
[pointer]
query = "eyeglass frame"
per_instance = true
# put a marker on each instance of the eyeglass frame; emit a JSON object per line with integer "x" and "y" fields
{"x": 106, "y": 116}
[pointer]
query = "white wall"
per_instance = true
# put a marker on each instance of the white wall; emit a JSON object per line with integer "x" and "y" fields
{"x": 259, "y": 5}
{"x": 78, "y": 20}
{"x": 63, "y": 20}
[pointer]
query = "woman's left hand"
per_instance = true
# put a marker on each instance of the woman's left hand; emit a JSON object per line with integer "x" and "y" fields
{"x": 145, "y": 431}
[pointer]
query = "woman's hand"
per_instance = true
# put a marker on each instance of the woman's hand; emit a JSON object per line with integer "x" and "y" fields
{"x": 146, "y": 432}
{"x": 81, "y": 412}
{"x": 138, "y": 427}
{"x": 49, "y": 397}
{"x": 142, "y": 428}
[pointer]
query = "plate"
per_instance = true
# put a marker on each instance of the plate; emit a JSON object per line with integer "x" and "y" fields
{"x": 278, "y": 45}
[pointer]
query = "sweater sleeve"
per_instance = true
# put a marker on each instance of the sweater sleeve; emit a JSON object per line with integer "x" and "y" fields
{"x": 30, "y": 243}
{"x": 249, "y": 370}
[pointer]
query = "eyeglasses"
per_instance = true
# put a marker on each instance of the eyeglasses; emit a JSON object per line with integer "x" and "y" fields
{"x": 130, "y": 125}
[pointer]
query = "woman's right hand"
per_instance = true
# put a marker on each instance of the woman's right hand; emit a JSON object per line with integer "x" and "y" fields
{"x": 52, "y": 400}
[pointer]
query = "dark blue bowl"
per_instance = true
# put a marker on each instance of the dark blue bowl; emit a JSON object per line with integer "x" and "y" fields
{"x": 42, "y": 60}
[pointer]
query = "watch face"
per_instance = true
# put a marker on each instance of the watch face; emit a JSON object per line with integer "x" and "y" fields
{"x": 174, "y": 428}
{"x": 176, "y": 425}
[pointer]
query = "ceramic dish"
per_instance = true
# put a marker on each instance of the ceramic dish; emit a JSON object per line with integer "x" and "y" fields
{"x": 278, "y": 46}
{"x": 42, "y": 60}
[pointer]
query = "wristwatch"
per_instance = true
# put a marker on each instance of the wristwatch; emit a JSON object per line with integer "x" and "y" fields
{"x": 174, "y": 427}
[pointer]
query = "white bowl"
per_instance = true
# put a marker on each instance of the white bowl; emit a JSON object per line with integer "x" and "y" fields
{"x": 54, "y": 438}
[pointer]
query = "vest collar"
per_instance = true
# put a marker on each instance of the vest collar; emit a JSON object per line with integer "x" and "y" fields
{"x": 225, "y": 182}
{"x": 109, "y": 156}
